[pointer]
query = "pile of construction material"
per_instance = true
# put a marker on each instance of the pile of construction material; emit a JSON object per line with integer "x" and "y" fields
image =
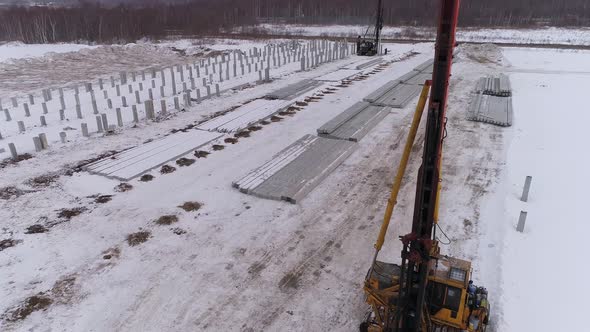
{"x": 495, "y": 86}
{"x": 294, "y": 172}
{"x": 354, "y": 123}
{"x": 492, "y": 101}
{"x": 399, "y": 92}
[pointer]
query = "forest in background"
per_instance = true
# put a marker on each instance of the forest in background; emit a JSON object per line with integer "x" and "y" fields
{"x": 100, "y": 23}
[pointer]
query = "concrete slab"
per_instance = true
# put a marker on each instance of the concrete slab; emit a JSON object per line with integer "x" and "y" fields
{"x": 399, "y": 96}
{"x": 494, "y": 86}
{"x": 139, "y": 160}
{"x": 491, "y": 109}
{"x": 296, "y": 170}
{"x": 354, "y": 123}
{"x": 338, "y": 75}
{"x": 294, "y": 90}
{"x": 245, "y": 116}
{"x": 370, "y": 63}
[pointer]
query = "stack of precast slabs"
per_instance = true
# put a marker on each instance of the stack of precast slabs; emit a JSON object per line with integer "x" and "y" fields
{"x": 398, "y": 96}
{"x": 339, "y": 75}
{"x": 139, "y": 160}
{"x": 368, "y": 64}
{"x": 295, "y": 171}
{"x": 354, "y": 123}
{"x": 294, "y": 90}
{"x": 425, "y": 67}
{"x": 495, "y": 86}
{"x": 399, "y": 92}
{"x": 245, "y": 116}
{"x": 491, "y": 109}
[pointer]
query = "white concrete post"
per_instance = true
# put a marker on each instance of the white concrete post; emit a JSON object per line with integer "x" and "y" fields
{"x": 12, "y": 149}
{"x": 7, "y": 115}
{"x": 21, "y": 126}
{"x": 38, "y": 144}
{"x": 78, "y": 111}
{"x": 62, "y": 115}
{"x": 44, "y": 142}
{"x": 119, "y": 117}
{"x": 521, "y": 221}
{"x": 27, "y": 111}
{"x": 526, "y": 189}
{"x": 84, "y": 127}
{"x": 99, "y": 127}
{"x": 135, "y": 114}
{"x": 43, "y": 121}
{"x": 63, "y": 136}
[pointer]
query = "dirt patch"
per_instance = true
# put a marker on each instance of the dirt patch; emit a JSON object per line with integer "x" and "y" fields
{"x": 64, "y": 290}
{"x": 191, "y": 206}
{"x": 36, "y": 229}
{"x": 68, "y": 214}
{"x": 123, "y": 187}
{"x": 146, "y": 178}
{"x": 178, "y": 231}
{"x": 243, "y": 133}
{"x": 201, "y": 154}
{"x": 7, "y": 193}
{"x": 135, "y": 239}
{"x": 184, "y": 162}
{"x": 102, "y": 199}
{"x": 43, "y": 180}
{"x": 230, "y": 140}
{"x": 290, "y": 281}
{"x": 293, "y": 109}
{"x": 167, "y": 169}
{"x": 34, "y": 303}
{"x": 111, "y": 253}
{"x": 287, "y": 113}
{"x": 166, "y": 220}
{"x": 18, "y": 159}
{"x": 301, "y": 103}
{"x": 217, "y": 147}
{"x": 275, "y": 118}
{"x": 8, "y": 243}
{"x": 254, "y": 128}
{"x": 264, "y": 122}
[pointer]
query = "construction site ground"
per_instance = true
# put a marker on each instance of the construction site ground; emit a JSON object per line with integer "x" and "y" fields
{"x": 106, "y": 262}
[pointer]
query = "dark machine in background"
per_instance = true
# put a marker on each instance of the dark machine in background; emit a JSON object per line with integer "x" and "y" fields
{"x": 368, "y": 45}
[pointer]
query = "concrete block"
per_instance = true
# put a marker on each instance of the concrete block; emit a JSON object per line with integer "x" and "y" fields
{"x": 84, "y": 128}
{"x": 62, "y": 115}
{"x": 12, "y": 149}
{"x": 137, "y": 99}
{"x": 63, "y": 136}
{"x": 217, "y": 90}
{"x": 105, "y": 121}
{"x": 27, "y": 111}
{"x": 119, "y": 117}
{"x": 99, "y": 126}
{"x": 31, "y": 99}
{"x": 44, "y": 142}
{"x": 135, "y": 114}
{"x": 37, "y": 143}
{"x": 7, "y": 115}
{"x": 176, "y": 104}
{"x": 21, "y": 126}
{"x": 163, "y": 107}
{"x": 43, "y": 121}
{"x": 78, "y": 112}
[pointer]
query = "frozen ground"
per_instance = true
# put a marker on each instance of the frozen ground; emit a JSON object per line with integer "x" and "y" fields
{"x": 544, "y": 36}
{"x": 246, "y": 264}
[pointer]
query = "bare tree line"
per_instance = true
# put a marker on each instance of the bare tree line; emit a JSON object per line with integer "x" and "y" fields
{"x": 97, "y": 23}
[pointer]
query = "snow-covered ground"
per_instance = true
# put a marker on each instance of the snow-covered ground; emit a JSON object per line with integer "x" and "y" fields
{"x": 242, "y": 263}
{"x": 17, "y": 50}
{"x": 544, "y": 36}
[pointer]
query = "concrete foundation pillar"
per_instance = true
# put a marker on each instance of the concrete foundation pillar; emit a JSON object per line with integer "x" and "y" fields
{"x": 84, "y": 127}
{"x": 119, "y": 118}
{"x": 21, "y": 126}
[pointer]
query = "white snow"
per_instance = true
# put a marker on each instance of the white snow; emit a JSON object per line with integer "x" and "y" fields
{"x": 543, "y": 270}
{"x": 17, "y": 50}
